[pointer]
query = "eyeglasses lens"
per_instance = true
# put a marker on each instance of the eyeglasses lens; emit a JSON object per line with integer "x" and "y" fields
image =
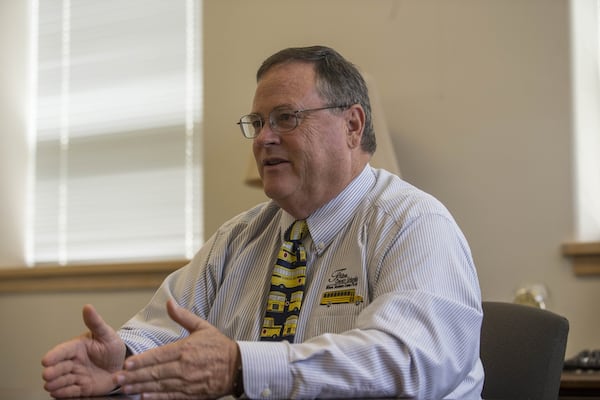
{"x": 283, "y": 120}
{"x": 279, "y": 120}
{"x": 251, "y": 125}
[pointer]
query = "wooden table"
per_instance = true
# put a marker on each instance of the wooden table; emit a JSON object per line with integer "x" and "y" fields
{"x": 580, "y": 384}
{"x": 35, "y": 393}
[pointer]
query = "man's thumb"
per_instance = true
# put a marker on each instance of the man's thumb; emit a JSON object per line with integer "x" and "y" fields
{"x": 190, "y": 321}
{"x": 100, "y": 329}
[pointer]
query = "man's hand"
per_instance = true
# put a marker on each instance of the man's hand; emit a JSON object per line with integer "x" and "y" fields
{"x": 84, "y": 366}
{"x": 202, "y": 365}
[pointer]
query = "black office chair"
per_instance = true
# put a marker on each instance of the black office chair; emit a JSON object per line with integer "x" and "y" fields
{"x": 522, "y": 351}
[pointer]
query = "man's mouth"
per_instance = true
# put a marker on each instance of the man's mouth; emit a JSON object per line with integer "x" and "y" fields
{"x": 273, "y": 161}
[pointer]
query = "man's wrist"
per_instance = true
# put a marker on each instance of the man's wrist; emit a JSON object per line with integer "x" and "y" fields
{"x": 238, "y": 381}
{"x": 237, "y": 378}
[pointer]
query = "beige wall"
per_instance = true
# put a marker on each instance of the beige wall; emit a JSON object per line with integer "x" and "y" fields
{"x": 477, "y": 96}
{"x": 32, "y": 324}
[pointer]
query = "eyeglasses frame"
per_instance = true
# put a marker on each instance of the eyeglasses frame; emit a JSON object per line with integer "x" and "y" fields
{"x": 296, "y": 116}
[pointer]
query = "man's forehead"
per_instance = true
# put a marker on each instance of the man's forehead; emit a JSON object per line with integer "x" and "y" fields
{"x": 285, "y": 84}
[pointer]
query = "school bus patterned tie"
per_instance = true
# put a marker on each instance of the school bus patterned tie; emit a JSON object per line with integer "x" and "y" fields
{"x": 287, "y": 287}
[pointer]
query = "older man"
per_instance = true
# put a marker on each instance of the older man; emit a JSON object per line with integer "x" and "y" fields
{"x": 373, "y": 294}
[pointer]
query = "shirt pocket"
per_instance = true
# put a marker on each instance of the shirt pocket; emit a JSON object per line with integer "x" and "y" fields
{"x": 336, "y": 318}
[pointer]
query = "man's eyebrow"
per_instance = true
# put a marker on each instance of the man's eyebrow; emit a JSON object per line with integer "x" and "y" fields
{"x": 282, "y": 106}
{"x": 278, "y": 107}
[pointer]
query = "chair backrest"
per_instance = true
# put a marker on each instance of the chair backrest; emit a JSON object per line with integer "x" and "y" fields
{"x": 522, "y": 351}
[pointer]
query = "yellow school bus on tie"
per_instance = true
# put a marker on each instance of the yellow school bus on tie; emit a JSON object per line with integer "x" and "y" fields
{"x": 289, "y": 328}
{"x": 342, "y": 296}
{"x": 295, "y": 301}
{"x": 269, "y": 328}
{"x": 289, "y": 278}
{"x": 276, "y": 301}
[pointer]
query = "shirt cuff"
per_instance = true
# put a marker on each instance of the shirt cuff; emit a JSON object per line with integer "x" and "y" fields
{"x": 266, "y": 369}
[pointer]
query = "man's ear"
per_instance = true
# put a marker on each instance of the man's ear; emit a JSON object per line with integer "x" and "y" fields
{"x": 355, "y": 123}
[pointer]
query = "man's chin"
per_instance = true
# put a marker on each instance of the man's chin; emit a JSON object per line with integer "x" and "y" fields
{"x": 276, "y": 189}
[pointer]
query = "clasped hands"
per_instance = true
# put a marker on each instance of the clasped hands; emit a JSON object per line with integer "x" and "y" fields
{"x": 202, "y": 365}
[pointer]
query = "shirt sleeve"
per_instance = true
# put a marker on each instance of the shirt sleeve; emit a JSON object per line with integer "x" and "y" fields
{"x": 192, "y": 286}
{"x": 418, "y": 337}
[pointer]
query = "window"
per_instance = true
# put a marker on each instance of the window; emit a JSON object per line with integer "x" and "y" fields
{"x": 115, "y": 131}
{"x": 585, "y": 25}
{"x": 584, "y": 248}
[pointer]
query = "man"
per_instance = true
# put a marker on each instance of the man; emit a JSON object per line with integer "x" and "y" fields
{"x": 388, "y": 294}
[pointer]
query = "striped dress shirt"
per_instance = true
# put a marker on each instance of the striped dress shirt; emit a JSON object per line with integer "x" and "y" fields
{"x": 391, "y": 308}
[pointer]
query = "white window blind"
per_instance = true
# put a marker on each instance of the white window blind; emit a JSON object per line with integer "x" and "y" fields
{"x": 117, "y": 174}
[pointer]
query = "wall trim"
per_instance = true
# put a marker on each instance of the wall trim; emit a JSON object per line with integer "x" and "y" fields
{"x": 585, "y": 257}
{"x": 147, "y": 275}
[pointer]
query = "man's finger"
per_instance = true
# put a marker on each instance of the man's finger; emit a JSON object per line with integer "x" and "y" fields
{"x": 156, "y": 356}
{"x": 66, "y": 392}
{"x": 56, "y": 370}
{"x": 62, "y": 352}
{"x": 190, "y": 321}
{"x": 60, "y": 382}
{"x": 170, "y": 389}
{"x": 100, "y": 329}
{"x": 170, "y": 371}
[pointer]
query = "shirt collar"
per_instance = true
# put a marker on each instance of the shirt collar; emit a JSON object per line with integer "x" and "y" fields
{"x": 326, "y": 222}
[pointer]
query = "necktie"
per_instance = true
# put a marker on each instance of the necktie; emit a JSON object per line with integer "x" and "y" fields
{"x": 287, "y": 286}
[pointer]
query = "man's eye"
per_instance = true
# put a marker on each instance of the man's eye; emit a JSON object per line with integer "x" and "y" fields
{"x": 285, "y": 117}
{"x": 257, "y": 124}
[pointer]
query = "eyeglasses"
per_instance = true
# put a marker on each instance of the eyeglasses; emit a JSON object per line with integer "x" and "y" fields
{"x": 281, "y": 120}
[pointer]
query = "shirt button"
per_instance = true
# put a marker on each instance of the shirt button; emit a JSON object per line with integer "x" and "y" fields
{"x": 266, "y": 392}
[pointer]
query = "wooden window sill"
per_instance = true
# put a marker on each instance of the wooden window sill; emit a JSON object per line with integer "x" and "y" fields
{"x": 147, "y": 275}
{"x": 585, "y": 257}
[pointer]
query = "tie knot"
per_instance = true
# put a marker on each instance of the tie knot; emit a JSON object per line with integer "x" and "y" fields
{"x": 297, "y": 231}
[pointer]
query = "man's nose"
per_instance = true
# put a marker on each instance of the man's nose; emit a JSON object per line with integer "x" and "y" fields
{"x": 266, "y": 134}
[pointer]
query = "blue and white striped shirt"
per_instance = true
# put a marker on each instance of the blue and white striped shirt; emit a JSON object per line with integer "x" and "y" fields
{"x": 406, "y": 311}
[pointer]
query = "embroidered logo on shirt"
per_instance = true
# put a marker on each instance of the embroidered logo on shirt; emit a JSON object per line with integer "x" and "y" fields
{"x": 339, "y": 278}
{"x": 343, "y": 292}
{"x": 343, "y": 296}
